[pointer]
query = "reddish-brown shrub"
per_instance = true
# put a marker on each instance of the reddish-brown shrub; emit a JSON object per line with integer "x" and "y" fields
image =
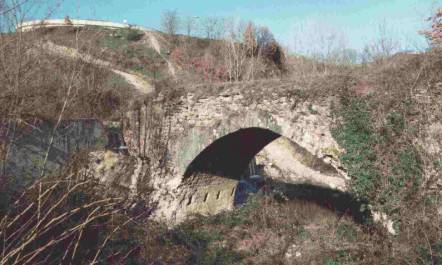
{"x": 434, "y": 35}
{"x": 208, "y": 67}
{"x": 273, "y": 52}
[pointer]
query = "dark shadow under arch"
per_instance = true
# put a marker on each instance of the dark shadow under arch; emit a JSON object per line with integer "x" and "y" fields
{"x": 341, "y": 203}
{"x": 230, "y": 155}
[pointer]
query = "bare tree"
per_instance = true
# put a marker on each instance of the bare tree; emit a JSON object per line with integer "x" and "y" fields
{"x": 236, "y": 52}
{"x": 170, "y": 22}
{"x": 212, "y": 27}
{"x": 189, "y": 25}
{"x": 365, "y": 55}
{"x": 264, "y": 36}
{"x": 44, "y": 226}
{"x": 209, "y": 27}
{"x": 251, "y": 47}
{"x": 322, "y": 42}
{"x": 220, "y": 28}
{"x": 384, "y": 45}
{"x": 348, "y": 56}
{"x": 249, "y": 39}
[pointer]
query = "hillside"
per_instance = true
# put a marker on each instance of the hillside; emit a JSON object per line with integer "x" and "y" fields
{"x": 384, "y": 116}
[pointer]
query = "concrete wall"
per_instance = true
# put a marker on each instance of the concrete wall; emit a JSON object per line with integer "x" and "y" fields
{"x": 30, "y": 144}
{"x": 51, "y": 23}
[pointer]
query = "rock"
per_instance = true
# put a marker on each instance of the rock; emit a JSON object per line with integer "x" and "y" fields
{"x": 385, "y": 221}
{"x": 293, "y": 253}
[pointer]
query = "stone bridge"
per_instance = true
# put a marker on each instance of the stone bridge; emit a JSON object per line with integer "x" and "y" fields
{"x": 192, "y": 151}
{"x": 213, "y": 137}
{"x": 189, "y": 157}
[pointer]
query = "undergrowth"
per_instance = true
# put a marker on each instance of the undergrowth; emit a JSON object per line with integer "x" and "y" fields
{"x": 357, "y": 135}
{"x": 386, "y": 163}
{"x": 383, "y": 164}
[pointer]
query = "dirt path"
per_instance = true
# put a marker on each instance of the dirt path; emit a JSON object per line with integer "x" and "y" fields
{"x": 157, "y": 47}
{"x": 140, "y": 83}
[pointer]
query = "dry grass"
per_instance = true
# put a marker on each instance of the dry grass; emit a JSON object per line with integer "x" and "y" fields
{"x": 58, "y": 219}
{"x": 55, "y": 221}
{"x": 262, "y": 232}
{"x": 43, "y": 81}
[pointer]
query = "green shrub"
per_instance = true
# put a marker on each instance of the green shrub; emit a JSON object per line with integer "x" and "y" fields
{"x": 205, "y": 246}
{"x": 358, "y": 137}
{"x": 187, "y": 235}
{"x": 113, "y": 43}
{"x": 409, "y": 169}
{"x": 437, "y": 164}
{"x": 217, "y": 256}
{"x": 405, "y": 179}
{"x": 238, "y": 216}
{"x": 121, "y": 39}
{"x": 133, "y": 35}
{"x": 302, "y": 233}
{"x": 330, "y": 261}
{"x": 346, "y": 232}
{"x": 341, "y": 257}
{"x": 396, "y": 122}
{"x": 430, "y": 256}
{"x": 362, "y": 141}
{"x": 129, "y": 52}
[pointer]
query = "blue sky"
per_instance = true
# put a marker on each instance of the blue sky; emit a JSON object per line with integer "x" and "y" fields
{"x": 291, "y": 21}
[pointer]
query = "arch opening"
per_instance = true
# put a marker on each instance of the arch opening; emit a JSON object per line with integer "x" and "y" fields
{"x": 230, "y": 155}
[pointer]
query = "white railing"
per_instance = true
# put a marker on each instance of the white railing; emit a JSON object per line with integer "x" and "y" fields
{"x": 51, "y": 23}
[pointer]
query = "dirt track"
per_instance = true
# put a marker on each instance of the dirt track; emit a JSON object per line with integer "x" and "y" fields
{"x": 140, "y": 83}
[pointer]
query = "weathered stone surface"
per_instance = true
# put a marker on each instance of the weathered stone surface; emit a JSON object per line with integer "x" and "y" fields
{"x": 298, "y": 166}
{"x": 287, "y": 135}
{"x": 305, "y": 152}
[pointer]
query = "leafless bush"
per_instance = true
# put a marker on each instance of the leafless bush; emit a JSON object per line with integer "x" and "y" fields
{"x": 189, "y": 24}
{"x": 213, "y": 27}
{"x": 170, "y": 22}
{"x": 63, "y": 220}
{"x": 434, "y": 35}
{"x": 55, "y": 220}
{"x": 383, "y": 46}
{"x": 235, "y": 51}
{"x": 251, "y": 53}
{"x": 38, "y": 84}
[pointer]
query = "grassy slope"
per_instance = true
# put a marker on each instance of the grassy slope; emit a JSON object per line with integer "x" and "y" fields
{"x": 126, "y": 49}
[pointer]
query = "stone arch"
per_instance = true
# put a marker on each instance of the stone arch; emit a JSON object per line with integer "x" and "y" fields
{"x": 196, "y": 137}
{"x": 229, "y": 156}
{"x": 211, "y": 179}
